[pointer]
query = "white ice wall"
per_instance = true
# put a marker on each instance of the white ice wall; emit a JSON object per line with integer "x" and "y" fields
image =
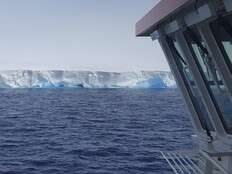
{"x": 87, "y": 79}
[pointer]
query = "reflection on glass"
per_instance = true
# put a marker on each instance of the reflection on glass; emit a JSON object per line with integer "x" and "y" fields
{"x": 190, "y": 84}
{"x": 217, "y": 89}
{"x": 222, "y": 30}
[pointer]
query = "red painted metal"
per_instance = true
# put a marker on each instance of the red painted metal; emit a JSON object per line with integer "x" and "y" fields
{"x": 163, "y": 10}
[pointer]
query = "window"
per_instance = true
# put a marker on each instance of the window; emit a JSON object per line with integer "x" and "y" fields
{"x": 222, "y": 30}
{"x": 190, "y": 84}
{"x": 213, "y": 81}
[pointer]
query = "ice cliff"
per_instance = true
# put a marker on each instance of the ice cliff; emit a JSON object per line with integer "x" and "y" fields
{"x": 85, "y": 79}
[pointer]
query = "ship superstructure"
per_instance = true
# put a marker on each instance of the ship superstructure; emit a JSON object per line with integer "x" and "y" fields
{"x": 196, "y": 37}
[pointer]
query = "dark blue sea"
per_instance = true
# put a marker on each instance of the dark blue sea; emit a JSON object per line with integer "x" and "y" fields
{"x": 91, "y": 131}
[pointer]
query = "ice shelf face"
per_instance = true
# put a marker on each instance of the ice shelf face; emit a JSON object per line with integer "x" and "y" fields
{"x": 85, "y": 79}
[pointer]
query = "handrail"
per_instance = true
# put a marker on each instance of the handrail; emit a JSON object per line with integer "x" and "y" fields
{"x": 176, "y": 164}
{"x": 170, "y": 164}
{"x": 181, "y": 163}
{"x": 197, "y": 168}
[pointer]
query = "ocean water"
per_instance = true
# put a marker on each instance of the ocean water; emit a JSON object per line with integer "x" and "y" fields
{"x": 91, "y": 131}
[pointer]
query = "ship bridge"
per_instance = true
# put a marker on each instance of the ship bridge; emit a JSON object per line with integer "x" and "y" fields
{"x": 196, "y": 37}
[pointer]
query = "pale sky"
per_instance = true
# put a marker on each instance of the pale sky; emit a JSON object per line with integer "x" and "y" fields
{"x": 95, "y": 35}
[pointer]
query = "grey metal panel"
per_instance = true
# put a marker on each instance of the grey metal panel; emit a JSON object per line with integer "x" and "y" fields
{"x": 196, "y": 16}
{"x": 215, "y": 163}
{"x": 155, "y": 35}
{"x": 228, "y": 5}
{"x": 194, "y": 116}
{"x": 171, "y": 27}
{"x": 163, "y": 10}
{"x": 202, "y": 86}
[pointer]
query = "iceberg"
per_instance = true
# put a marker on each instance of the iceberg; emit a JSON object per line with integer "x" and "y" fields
{"x": 85, "y": 79}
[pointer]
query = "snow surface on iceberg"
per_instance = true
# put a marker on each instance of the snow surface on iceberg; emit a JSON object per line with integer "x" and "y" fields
{"x": 85, "y": 79}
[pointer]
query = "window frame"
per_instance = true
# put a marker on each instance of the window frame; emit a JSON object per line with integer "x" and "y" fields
{"x": 217, "y": 108}
{"x": 179, "y": 79}
{"x": 216, "y": 121}
{"x": 189, "y": 86}
{"x": 202, "y": 134}
{"x": 213, "y": 46}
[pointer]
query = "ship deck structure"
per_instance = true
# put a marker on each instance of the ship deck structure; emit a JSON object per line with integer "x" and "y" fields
{"x": 196, "y": 37}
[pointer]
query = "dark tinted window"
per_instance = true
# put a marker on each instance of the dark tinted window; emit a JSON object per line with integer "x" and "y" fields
{"x": 190, "y": 84}
{"x": 222, "y": 30}
{"x": 213, "y": 81}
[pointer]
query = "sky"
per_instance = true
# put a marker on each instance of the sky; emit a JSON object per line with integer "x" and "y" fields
{"x": 95, "y": 35}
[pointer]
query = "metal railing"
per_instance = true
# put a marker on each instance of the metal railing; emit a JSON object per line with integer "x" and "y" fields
{"x": 196, "y": 163}
{"x": 182, "y": 164}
